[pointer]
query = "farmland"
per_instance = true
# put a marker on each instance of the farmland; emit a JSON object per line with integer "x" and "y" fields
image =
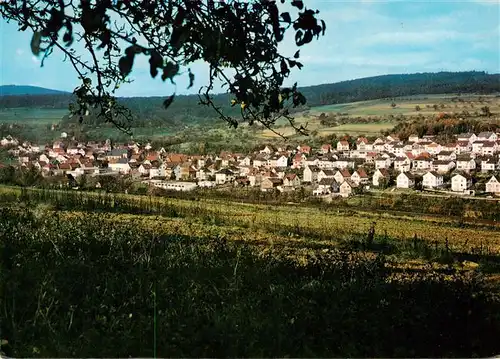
{"x": 32, "y": 116}
{"x": 366, "y": 118}
{"x": 155, "y": 276}
{"x": 381, "y": 115}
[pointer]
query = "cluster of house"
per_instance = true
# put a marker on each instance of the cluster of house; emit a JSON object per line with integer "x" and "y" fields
{"x": 329, "y": 170}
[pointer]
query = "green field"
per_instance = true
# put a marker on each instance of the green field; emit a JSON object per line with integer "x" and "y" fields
{"x": 407, "y": 105}
{"x": 382, "y": 111}
{"x": 134, "y": 276}
{"x": 32, "y": 116}
{"x": 379, "y": 113}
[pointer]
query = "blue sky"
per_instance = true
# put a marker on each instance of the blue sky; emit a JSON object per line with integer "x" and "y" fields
{"x": 363, "y": 38}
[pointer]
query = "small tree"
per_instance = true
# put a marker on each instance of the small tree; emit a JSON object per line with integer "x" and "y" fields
{"x": 417, "y": 108}
{"x": 485, "y": 111}
{"x": 393, "y": 104}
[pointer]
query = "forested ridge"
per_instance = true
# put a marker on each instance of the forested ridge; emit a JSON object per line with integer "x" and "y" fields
{"x": 185, "y": 110}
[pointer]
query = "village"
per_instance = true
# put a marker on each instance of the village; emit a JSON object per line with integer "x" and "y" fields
{"x": 344, "y": 169}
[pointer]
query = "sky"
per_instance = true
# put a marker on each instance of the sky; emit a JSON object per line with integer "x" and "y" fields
{"x": 363, "y": 38}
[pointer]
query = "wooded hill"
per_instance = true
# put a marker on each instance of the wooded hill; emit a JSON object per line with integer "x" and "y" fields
{"x": 185, "y": 110}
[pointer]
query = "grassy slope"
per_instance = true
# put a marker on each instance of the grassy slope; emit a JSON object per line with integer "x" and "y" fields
{"x": 375, "y": 109}
{"x": 382, "y": 110}
{"x": 32, "y": 116}
{"x": 103, "y": 285}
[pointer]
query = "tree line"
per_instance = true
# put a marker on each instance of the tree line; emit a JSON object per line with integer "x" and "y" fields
{"x": 186, "y": 110}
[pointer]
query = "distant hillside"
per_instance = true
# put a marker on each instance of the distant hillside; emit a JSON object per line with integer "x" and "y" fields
{"x": 15, "y": 90}
{"x": 186, "y": 111}
{"x": 389, "y": 86}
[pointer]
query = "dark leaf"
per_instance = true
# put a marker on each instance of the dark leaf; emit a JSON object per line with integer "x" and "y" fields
{"x": 35, "y": 43}
{"x": 67, "y": 38}
{"x": 286, "y": 17}
{"x": 131, "y": 51}
{"x": 125, "y": 64}
{"x": 284, "y": 67}
{"x": 155, "y": 62}
{"x": 298, "y": 4}
{"x": 308, "y": 36}
{"x": 297, "y": 54}
{"x": 168, "y": 101}
{"x": 298, "y": 37}
{"x": 169, "y": 71}
{"x": 324, "y": 26}
{"x": 191, "y": 79}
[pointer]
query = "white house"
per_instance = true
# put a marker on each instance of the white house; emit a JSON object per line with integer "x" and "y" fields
{"x": 460, "y": 182}
{"x": 312, "y": 161}
{"x": 487, "y": 136}
{"x": 402, "y": 164}
{"x": 175, "y": 185}
{"x": 364, "y": 145}
{"x": 310, "y": 174}
{"x": 446, "y": 156}
{"x": 267, "y": 150}
{"x": 493, "y": 185}
{"x": 344, "y": 163}
{"x": 347, "y": 187}
{"x": 291, "y": 180}
{"x": 432, "y": 179}
{"x": 489, "y": 148}
{"x": 144, "y": 169}
{"x": 278, "y": 161}
{"x": 342, "y": 175}
{"x": 443, "y": 166}
{"x": 223, "y": 176}
{"x": 245, "y": 161}
{"x": 343, "y": 146}
{"x": 121, "y": 166}
{"x": 467, "y": 137}
{"x": 158, "y": 171}
{"x": 463, "y": 147}
{"x": 360, "y": 176}
{"x": 465, "y": 163}
{"x": 422, "y": 163}
{"x": 413, "y": 138}
{"x": 477, "y": 147}
{"x": 325, "y": 174}
{"x": 405, "y": 180}
{"x": 327, "y": 186}
{"x": 382, "y": 162}
{"x": 488, "y": 165}
{"x": 326, "y": 148}
{"x": 380, "y": 175}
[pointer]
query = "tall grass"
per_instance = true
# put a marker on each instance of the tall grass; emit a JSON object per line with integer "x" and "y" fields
{"x": 86, "y": 287}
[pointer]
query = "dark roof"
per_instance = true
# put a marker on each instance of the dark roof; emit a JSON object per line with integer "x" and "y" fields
{"x": 329, "y": 172}
{"x": 327, "y": 181}
{"x": 226, "y": 171}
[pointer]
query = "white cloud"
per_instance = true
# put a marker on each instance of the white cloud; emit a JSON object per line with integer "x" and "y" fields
{"x": 19, "y": 52}
{"x": 411, "y": 37}
{"x": 390, "y": 60}
{"x": 487, "y": 2}
{"x": 35, "y": 59}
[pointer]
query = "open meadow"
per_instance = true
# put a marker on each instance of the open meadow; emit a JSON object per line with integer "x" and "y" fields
{"x": 382, "y": 114}
{"x": 32, "y": 116}
{"x": 156, "y": 276}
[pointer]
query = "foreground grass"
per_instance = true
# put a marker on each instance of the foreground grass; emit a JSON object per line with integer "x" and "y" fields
{"x": 84, "y": 285}
{"x": 313, "y": 223}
